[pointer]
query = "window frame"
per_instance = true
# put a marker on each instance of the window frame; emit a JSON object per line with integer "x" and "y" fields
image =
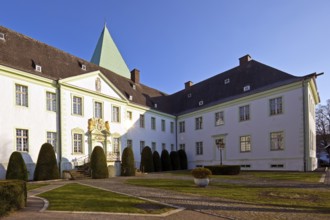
{"x": 221, "y": 117}
{"x": 21, "y": 97}
{"x": 163, "y": 125}
{"x": 52, "y": 139}
{"x": 278, "y": 107}
{"x": 95, "y": 109}
{"x": 244, "y": 113}
{"x": 51, "y": 104}
{"x": 247, "y": 144}
{"x": 182, "y": 126}
{"x": 115, "y": 114}
{"x": 277, "y": 148}
{"x": 153, "y": 123}
{"x": 199, "y": 148}
{"x": 73, "y": 103}
{"x": 24, "y": 140}
{"x": 142, "y": 121}
{"x": 199, "y": 123}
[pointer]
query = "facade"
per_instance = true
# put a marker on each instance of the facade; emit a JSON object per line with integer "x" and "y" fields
{"x": 260, "y": 117}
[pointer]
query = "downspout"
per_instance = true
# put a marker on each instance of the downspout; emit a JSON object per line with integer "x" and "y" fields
{"x": 59, "y": 125}
{"x": 304, "y": 125}
{"x": 176, "y": 132}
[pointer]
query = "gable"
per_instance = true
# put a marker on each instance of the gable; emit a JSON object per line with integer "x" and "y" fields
{"x": 94, "y": 82}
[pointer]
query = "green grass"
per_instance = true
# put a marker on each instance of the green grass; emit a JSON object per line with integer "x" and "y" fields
{"x": 314, "y": 199}
{"x": 31, "y": 186}
{"x": 76, "y": 197}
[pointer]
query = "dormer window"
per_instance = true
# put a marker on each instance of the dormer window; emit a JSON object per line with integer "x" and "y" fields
{"x": 83, "y": 67}
{"x": 155, "y": 105}
{"x": 38, "y": 68}
{"x": 134, "y": 86}
{"x": 189, "y": 95}
{"x": 227, "y": 81}
{"x": 246, "y": 88}
{"x": 2, "y": 36}
{"x": 200, "y": 103}
{"x": 130, "y": 97}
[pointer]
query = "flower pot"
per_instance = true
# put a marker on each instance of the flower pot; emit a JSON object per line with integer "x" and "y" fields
{"x": 201, "y": 182}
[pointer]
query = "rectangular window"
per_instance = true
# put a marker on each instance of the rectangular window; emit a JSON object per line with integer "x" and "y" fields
{"x": 77, "y": 105}
{"x": 182, "y": 127}
{"x": 277, "y": 140}
{"x": 219, "y": 118}
{"x": 276, "y": 166}
{"x": 198, "y": 123}
{"x": 276, "y": 106}
{"x": 142, "y": 145}
{"x": 98, "y": 110}
{"x": 51, "y": 101}
{"x": 115, "y": 114}
{"x": 153, "y": 123}
{"x": 77, "y": 143}
{"x": 245, "y": 143}
{"x": 129, "y": 115}
{"x": 182, "y": 147}
{"x": 244, "y": 113}
{"x": 116, "y": 145}
{"x": 163, "y": 146}
{"x": 163, "y": 125}
{"x": 51, "y": 139}
{"x": 21, "y": 95}
{"x": 129, "y": 143}
{"x": 22, "y": 140}
{"x": 172, "y": 127}
{"x": 199, "y": 148}
{"x": 153, "y": 146}
{"x": 141, "y": 121}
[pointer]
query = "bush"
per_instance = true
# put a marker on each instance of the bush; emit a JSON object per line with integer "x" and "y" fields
{"x": 183, "y": 159}
{"x": 157, "y": 161}
{"x": 16, "y": 167}
{"x": 147, "y": 163}
{"x": 175, "y": 160}
{"x": 225, "y": 169}
{"x": 127, "y": 162}
{"x": 166, "y": 161}
{"x": 99, "y": 167}
{"x": 201, "y": 173}
{"x": 13, "y": 196}
{"x": 46, "y": 167}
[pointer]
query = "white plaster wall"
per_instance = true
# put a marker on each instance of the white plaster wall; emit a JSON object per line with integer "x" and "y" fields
{"x": 35, "y": 118}
{"x": 259, "y": 127}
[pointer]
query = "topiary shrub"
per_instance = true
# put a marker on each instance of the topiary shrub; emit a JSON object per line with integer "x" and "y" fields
{"x": 46, "y": 167}
{"x": 183, "y": 159}
{"x": 175, "y": 160}
{"x": 225, "y": 169}
{"x": 16, "y": 167}
{"x": 157, "y": 161}
{"x": 147, "y": 163}
{"x": 127, "y": 162}
{"x": 99, "y": 167}
{"x": 13, "y": 196}
{"x": 166, "y": 161}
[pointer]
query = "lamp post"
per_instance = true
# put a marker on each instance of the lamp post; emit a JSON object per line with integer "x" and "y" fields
{"x": 220, "y": 146}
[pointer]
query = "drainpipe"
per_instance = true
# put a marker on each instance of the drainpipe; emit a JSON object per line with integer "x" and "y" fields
{"x": 304, "y": 124}
{"x": 59, "y": 125}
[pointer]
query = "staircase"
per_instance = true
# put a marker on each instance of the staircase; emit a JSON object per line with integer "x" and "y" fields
{"x": 81, "y": 172}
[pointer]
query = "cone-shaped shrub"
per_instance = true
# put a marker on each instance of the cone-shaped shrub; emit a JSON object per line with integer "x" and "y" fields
{"x": 16, "y": 167}
{"x": 166, "y": 161}
{"x": 127, "y": 162}
{"x": 183, "y": 159}
{"x": 157, "y": 161}
{"x": 99, "y": 164}
{"x": 147, "y": 163}
{"x": 46, "y": 168}
{"x": 175, "y": 160}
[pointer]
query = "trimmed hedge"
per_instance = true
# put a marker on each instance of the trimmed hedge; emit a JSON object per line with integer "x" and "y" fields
{"x": 46, "y": 167}
{"x": 175, "y": 160}
{"x": 13, "y": 195}
{"x": 127, "y": 162}
{"x": 224, "y": 169}
{"x": 16, "y": 167}
{"x": 147, "y": 163}
{"x": 157, "y": 161}
{"x": 183, "y": 159}
{"x": 166, "y": 161}
{"x": 99, "y": 167}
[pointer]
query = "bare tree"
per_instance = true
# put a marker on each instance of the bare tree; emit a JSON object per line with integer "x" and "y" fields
{"x": 323, "y": 124}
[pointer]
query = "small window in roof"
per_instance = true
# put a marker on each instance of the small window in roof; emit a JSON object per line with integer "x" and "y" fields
{"x": 189, "y": 95}
{"x": 83, "y": 67}
{"x": 2, "y": 36}
{"x": 200, "y": 103}
{"x": 38, "y": 68}
{"x": 246, "y": 88}
{"x": 134, "y": 86}
{"x": 155, "y": 105}
{"x": 130, "y": 97}
{"x": 227, "y": 81}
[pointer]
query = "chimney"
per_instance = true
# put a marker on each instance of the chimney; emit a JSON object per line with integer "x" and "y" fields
{"x": 135, "y": 75}
{"x": 245, "y": 59}
{"x": 188, "y": 84}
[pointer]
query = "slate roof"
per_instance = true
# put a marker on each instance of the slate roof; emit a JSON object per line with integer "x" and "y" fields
{"x": 21, "y": 52}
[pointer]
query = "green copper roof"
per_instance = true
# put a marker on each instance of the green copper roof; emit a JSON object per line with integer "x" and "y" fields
{"x": 107, "y": 55}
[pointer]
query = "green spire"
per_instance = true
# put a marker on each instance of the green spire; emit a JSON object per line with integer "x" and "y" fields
{"x": 107, "y": 55}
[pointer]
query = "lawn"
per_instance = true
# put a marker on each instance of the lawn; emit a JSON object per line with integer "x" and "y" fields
{"x": 307, "y": 198}
{"x": 84, "y": 198}
{"x": 31, "y": 186}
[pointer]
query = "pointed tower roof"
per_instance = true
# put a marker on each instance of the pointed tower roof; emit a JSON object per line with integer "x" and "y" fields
{"x": 107, "y": 55}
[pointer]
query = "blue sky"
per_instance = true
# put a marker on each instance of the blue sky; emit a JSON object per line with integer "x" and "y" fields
{"x": 174, "y": 41}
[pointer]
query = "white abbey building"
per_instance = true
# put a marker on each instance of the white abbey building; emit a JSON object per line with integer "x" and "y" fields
{"x": 263, "y": 118}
